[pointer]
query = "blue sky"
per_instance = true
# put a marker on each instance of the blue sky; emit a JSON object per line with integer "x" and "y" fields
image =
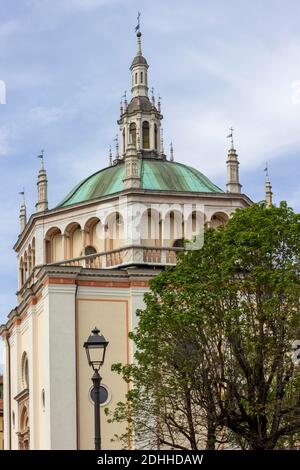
{"x": 216, "y": 64}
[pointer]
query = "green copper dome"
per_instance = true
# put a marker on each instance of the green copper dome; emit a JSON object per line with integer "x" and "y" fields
{"x": 157, "y": 175}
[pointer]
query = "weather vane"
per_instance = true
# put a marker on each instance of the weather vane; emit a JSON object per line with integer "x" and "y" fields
{"x": 22, "y": 193}
{"x": 230, "y": 136}
{"x": 266, "y": 169}
{"x": 137, "y": 28}
{"x": 41, "y": 157}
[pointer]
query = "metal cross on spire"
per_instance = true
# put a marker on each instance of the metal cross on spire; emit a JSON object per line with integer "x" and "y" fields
{"x": 266, "y": 170}
{"x": 231, "y": 136}
{"x": 22, "y": 193}
{"x": 159, "y": 103}
{"x": 41, "y": 157}
{"x": 152, "y": 96}
{"x": 138, "y": 26}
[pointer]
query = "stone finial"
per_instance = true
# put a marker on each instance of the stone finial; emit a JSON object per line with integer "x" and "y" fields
{"x": 268, "y": 189}
{"x": 161, "y": 142}
{"x": 171, "y": 153}
{"x": 116, "y": 139}
{"x": 233, "y": 180}
{"x": 42, "y": 186}
{"x": 159, "y": 104}
{"x": 23, "y": 216}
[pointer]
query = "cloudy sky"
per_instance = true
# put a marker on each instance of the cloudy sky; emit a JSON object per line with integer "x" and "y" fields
{"x": 216, "y": 64}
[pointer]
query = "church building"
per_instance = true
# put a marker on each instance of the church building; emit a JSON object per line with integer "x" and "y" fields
{"x": 88, "y": 261}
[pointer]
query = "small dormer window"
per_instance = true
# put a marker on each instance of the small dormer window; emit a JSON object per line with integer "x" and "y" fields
{"x": 146, "y": 135}
{"x": 132, "y": 132}
{"x": 155, "y": 136}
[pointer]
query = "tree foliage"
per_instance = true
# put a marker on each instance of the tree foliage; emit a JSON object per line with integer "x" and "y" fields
{"x": 213, "y": 360}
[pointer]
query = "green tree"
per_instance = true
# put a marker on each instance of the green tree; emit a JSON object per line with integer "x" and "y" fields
{"x": 214, "y": 342}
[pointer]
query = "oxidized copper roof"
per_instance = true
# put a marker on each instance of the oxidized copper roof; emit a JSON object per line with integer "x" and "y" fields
{"x": 161, "y": 175}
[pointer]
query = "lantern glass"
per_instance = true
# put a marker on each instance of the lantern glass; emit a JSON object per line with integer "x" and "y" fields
{"x": 95, "y": 348}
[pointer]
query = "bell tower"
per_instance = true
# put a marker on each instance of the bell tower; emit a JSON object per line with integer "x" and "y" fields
{"x": 140, "y": 119}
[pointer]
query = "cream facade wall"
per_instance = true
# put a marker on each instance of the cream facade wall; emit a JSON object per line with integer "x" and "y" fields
{"x": 19, "y": 343}
{"x": 40, "y": 437}
{"x": 112, "y": 310}
{"x": 111, "y": 315}
{"x": 60, "y": 381}
{"x": 51, "y": 331}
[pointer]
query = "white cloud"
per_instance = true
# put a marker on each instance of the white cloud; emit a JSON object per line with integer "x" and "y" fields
{"x": 5, "y": 146}
{"x": 80, "y": 5}
{"x": 294, "y": 199}
{"x": 9, "y": 27}
{"x": 252, "y": 89}
{"x": 88, "y": 4}
{"x": 48, "y": 115}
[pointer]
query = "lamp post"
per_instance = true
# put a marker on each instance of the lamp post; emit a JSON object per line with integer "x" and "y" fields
{"x": 95, "y": 348}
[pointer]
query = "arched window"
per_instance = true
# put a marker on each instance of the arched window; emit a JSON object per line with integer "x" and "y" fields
{"x": 155, "y": 136}
{"x": 218, "y": 219}
{"x": 53, "y": 245}
{"x": 146, "y": 139}
{"x": 132, "y": 131}
{"x": 123, "y": 141}
{"x": 25, "y": 371}
{"x": 24, "y": 430}
{"x": 29, "y": 260}
{"x": 136, "y": 78}
{"x": 114, "y": 231}
{"x": 94, "y": 237}
{"x": 43, "y": 399}
{"x": 142, "y": 77}
{"x": 25, "y": 267}
{"x": 33, "y": 252}
{"x": 73, "y": 234}
{"x": 22, "y": 272}
{"x": 90, "y": 250}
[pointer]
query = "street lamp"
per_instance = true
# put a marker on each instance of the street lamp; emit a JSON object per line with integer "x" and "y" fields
{"x": 95, "y": 348}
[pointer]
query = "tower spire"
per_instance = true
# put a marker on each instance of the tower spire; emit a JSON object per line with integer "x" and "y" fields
{"x": 268, "y": 188}
{"x": 139, "y": 67}
{"x": 233, "y": 180}
{"x": 140, "y": 119}
{"x": 42, "y": 185}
